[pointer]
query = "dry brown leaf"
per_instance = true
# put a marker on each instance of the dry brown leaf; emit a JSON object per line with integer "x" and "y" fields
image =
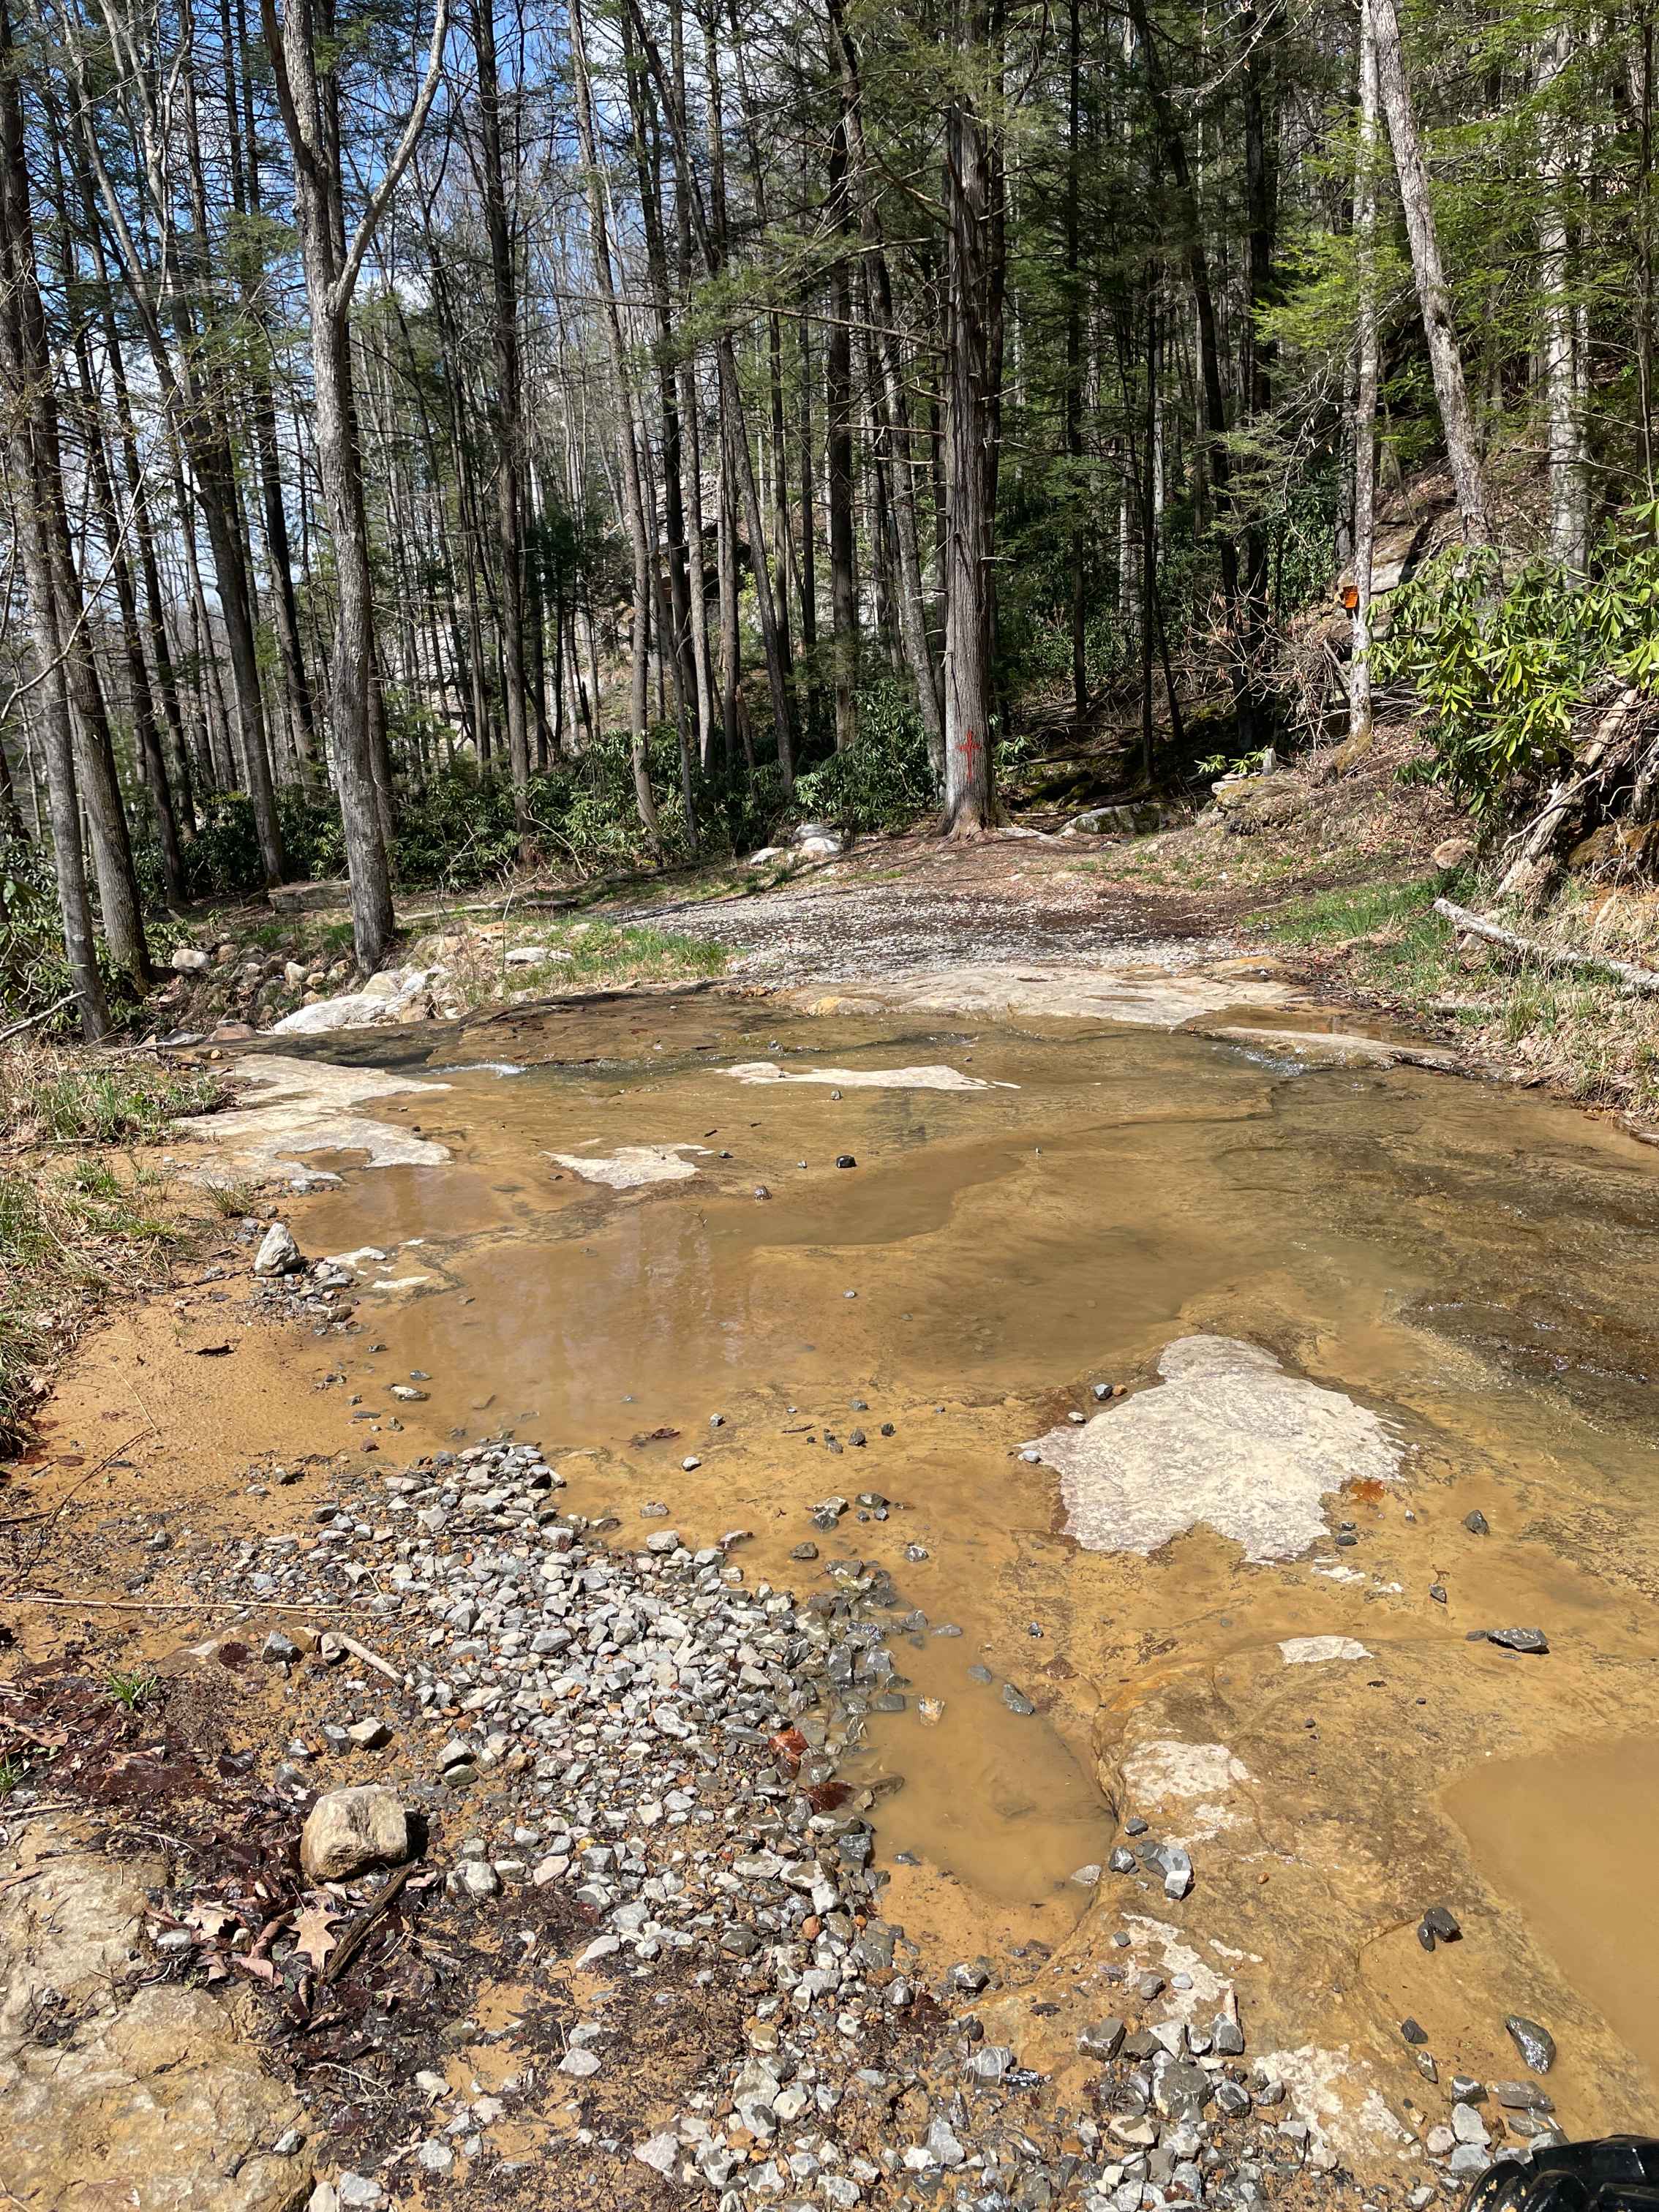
{"x": 312, "y": 1932}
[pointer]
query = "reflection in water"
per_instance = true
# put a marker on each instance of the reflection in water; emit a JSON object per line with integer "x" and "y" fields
{"x": 1473, "y": 1262}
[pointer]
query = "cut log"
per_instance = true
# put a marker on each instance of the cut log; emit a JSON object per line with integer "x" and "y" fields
{"x": 1643, "y": 980}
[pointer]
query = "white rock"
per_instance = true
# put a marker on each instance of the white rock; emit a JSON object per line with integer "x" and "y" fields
{"x": 934, "y": 1078}
{"x": 1313, "y": 1650}
{"x": 278, "y": 1254}
{"x": 660, "y": 2152}
{"x": 582, "y": 2063}
{"x": 189, "y": 960}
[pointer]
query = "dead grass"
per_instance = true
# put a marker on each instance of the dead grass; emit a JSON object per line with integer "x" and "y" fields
{"x": 83, "y": 1218}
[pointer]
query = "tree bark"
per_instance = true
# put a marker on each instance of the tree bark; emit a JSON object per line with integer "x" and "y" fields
{"x": 969, "y": 198}
{"x": 1434, "y": 298}
{"x": 331, "y": 276}
{"x": 1364, "y": 413}
{"x": 504, "y": 346}
{"x": 628, "y": 451}
{"x": 28, "y": 372}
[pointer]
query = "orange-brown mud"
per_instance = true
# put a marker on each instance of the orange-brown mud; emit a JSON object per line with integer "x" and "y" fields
{"x": 1475, "y": 1267}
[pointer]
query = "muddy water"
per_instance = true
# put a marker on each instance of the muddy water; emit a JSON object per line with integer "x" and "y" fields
{"x": 1475, "y": 1267}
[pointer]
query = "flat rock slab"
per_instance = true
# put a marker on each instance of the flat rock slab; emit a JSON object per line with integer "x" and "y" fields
{"x": 155, "y": 2103}
{"x": 866, "y": 1078}
{"x": 634, "y": 1166}
{"x": 1315, "y": 1650}
{"x": 1329, "y": 1048}
{"x": 301, "y": 1106}
{"x": 1230, "y": 1440}
{"x": 1141, "y": 995}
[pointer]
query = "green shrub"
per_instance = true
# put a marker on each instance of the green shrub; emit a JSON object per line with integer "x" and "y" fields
{"x": 1504, "y": 667}
{"x": 885, "y": 778}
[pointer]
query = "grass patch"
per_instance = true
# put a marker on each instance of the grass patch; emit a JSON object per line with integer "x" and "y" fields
{"x": 580, "y": 956}
{"x": 135, "y": 1689}
{"x": 77, "y": 1224}
{"x": 1356, "y": 910}
{"x": 49, "y": 1097}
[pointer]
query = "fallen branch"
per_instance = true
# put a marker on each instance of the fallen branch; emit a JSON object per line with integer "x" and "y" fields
{"x": 347, "y": 1949}
{"x": 369, "y": 1658}
{"x": 1645, "y": 981}
{"x": 250, "y": 1605}
{"x": 33, "y": 1020}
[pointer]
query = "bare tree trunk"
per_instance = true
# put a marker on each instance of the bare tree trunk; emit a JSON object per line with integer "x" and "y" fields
{"x": 1569, "y": 488}
{"x": 25, "y": 364}
{"x": 970, "y": 198}
{"x": 330, "y": 278}
{"x": 838, "y": 399}
{"x": 504, "y": 345}
{"x": 633, "y": 496}
{"x": 1364, "y": 413}
{"x": 1456, "y": 420}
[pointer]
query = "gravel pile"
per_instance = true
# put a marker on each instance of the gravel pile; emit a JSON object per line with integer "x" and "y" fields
{"x": 661, "y": 1739}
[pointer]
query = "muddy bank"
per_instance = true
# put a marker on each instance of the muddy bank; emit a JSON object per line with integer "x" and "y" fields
{"x": 1436, "y": 1288}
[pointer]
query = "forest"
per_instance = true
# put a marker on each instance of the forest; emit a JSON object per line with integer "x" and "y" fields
{"x": 438, "y": 440}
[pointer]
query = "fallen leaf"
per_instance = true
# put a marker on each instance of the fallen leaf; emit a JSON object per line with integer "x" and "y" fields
{"x": 311, "y": 1934}
{"x": 211, "y": 1919}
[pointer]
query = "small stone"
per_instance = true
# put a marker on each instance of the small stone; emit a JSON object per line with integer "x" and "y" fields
{"x": 690, "y": 1462}
{"x": 188, "y": 960}
{"x": 845, "y": 1160}
{"x": 1086, "y": 1877}
{"x": 278, "y": 1254}
{"x": 582, "y": 2063}
{"x": 1476, "y": 1524}
{"x": 1101, "y": 2038}
{"x": 369, "y": 1735}
{"x": 1121, "y": 1860}
{"x": 1174, "y": 1865}
{"x": 1413, "y": 2031}
{"x": 1519, "y": 1639}
{"x": 660, "y": 2151}
{"x": 278, "y": 1648}
{"x": 1438, "y": 1922}
{"x": 1468, "y": 2126}
{"x": 1016, "y": 1700}
{"x": 478, "y": 1878}
{"x": 1536, "y": 2044}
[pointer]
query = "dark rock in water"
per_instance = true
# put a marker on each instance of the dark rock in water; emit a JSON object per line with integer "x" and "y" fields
{"x": 1134, "y": 1825}
{"x": 1438, "y": 1592}
{"x": 1016, "y": 1700}
{"x": 1412, "y": 2033}
{"x": 979, "y": 1674}
{"x": 1536, "y": 2044}
{"x": 1121, "y": 1860}
{"x": 1519, "y": 1639}
{"x": 1475, "y": 1522}
{"x": 1439, "y": 1921}
{"x": 846, "y": 1160}
{"x": 888, "y": 1429}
